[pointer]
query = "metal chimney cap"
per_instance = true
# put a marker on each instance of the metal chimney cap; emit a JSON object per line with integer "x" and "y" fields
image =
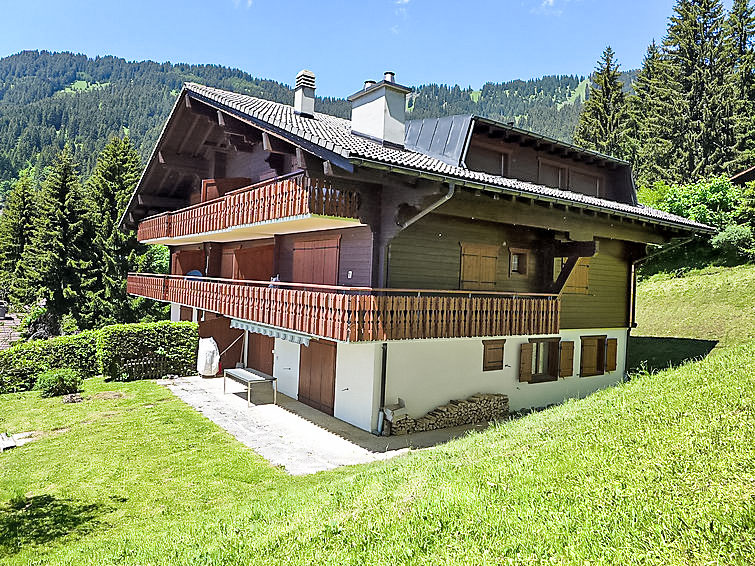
{"x": 305, "y": 78}
{"x": 389, "y": 77}
{"x": 368, "y": 83}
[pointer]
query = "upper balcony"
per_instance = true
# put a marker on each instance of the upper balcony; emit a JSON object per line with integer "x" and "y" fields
{"x": 354, "y": 314}
{"x": 279, "y": 206}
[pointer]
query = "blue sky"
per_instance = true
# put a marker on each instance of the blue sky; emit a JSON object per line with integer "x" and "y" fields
{"x": 344, "y": 43}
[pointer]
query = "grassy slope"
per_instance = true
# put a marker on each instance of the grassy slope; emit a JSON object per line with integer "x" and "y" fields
{"x": 717, "y": 303}
{"x": 655, "y": 471}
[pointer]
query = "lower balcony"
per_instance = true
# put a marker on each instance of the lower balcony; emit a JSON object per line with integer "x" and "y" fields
{"x": 354, "y": 314}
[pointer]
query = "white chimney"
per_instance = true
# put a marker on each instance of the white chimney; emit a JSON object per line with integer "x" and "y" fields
{"x": 378, "y": 111}
{"x": 304, "y": 94}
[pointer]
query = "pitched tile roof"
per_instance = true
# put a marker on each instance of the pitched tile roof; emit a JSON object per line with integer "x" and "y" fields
{"x": 334, "y": 135}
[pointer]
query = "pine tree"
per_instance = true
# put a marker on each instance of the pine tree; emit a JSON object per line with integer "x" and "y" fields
{"x": 16, "y": 229}
{"x": 59, "y": 257}
{"x": 604, "y": 119}
{"x": 697, "y": 53}
{"x": 110, "y": 186}
{"x": 740, "y": 30}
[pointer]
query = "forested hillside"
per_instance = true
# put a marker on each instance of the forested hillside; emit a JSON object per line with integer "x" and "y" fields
{"x": 47, "y": 99}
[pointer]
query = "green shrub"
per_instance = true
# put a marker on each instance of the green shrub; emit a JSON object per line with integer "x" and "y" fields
{"x": 735, "y": 242}
{"x": 21, "y": 364}
{"x": 123, "y": 348}
{"x": 54, "y": 382}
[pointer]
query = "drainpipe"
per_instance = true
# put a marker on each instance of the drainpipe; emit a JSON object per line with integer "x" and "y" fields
{"x": 633, "y": 294}
{"x": 381, "y": 413}
{"x": 425, "y": 211}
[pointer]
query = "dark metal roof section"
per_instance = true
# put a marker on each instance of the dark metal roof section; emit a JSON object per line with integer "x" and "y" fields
{"x": 441, "y": 138}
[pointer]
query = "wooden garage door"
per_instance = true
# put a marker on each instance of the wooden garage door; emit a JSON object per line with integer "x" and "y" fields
{"x": 317, "y": 375}
{"x": 260, "y": 353}
{"x": 316, "y": 261}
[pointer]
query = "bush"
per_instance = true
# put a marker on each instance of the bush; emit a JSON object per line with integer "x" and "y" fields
{"x": 735, "y": 242}
{"x": 54, "y": 382}
{"x": 21, "y": 364}
{"x": 712, "y": 201}
{"x": 124, "y": 351}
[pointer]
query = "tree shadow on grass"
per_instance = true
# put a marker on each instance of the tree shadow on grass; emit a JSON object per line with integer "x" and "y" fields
{"x": 27, "y": 521}
{"x": 658, "y": 353}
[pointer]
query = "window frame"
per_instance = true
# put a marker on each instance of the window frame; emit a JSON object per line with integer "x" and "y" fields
{"x": 552, "y": 361}
{"x": 487, "y": 347}
{"x": 519, "y": 251}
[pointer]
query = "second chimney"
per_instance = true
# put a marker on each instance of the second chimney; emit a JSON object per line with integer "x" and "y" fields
{"x": 378, "y": 111}
{"x": 304, "y": 94}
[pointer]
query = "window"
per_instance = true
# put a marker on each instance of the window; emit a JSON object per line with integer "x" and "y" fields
{"x": 492, "y": 355}
{"x": 539, "y": 360}
{"x": 579, "y": 281}
{"x": 584, "y": 183}
{"x": 479, "y": 265}
{"x": 518, "y": 260}
{"x": 552, "y": 174}
{"x": 598, "y": 355}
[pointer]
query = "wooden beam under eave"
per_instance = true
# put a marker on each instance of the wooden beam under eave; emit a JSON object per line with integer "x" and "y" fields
{"x": 152, "y": 201}
{"x": 275, "y": 145}
{"x": 188, "y": 134}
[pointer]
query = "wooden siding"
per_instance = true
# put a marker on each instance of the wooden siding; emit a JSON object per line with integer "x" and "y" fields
{"x": 606, "y": 303}
{"x": 523, "y": 164}
{"x": 355, "y": 254}
{"x": 428, "y": 254}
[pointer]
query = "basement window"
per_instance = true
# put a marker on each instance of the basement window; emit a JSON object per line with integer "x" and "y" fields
{"x": 539, "y": 360}
{"x": 593, "y": 356}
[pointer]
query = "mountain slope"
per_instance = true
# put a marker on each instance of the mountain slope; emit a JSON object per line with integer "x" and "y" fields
{"x": 49, "y": 99}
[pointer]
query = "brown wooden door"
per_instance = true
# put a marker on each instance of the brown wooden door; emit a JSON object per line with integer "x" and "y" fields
{"x": 317, "y": 375}
{"x": 316, "y": 261}
{"x": 260, "y": 353}
{"x": 255, "y": 264}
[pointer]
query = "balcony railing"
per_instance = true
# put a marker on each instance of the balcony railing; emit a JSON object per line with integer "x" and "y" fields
{"x": 358, "y": 313}
{"x": 276, "y": 199}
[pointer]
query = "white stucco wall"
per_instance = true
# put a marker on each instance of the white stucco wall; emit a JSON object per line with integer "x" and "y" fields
{"x": 358, "y": 384}
{"x": 286, "y": 367}
{"x": 428, "y": 373}
{"x": 175, "y": 312}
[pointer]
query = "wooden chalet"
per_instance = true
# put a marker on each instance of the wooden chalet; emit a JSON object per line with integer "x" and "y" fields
{"x": 378, "y": 262}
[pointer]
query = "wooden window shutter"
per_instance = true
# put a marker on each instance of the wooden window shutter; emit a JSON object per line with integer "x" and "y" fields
{"x": 566, "y": 365}
{"x": 479, "y": 266}
{"x": 589, "y": 357}
{"x": 525, "y": 363}
{"x": 492, "y": 357}
{"x": 612, "y": 345}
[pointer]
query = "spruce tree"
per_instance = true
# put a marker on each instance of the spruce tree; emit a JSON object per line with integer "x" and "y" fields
{"x": 604, "y": 119}
{"x": 652, "y": 121}
{"x": 60, "y": 256}
{"x": 110, "y": 186}
{"x": 698, "y": 55}
{"x": 16, "y": 229}
{"x": 740, "y": 30}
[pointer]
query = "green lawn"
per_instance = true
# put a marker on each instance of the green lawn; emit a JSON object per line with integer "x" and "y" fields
{"x": 656, "y": 471}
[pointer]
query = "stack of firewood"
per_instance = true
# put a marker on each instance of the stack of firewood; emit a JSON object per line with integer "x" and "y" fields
{"x": 478, "y": 408}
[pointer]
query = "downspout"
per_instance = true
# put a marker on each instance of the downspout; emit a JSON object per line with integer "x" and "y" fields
{"x": 425, "y": 211}
{"x": 383, "y": 373}
{"x": 633, "y": 295}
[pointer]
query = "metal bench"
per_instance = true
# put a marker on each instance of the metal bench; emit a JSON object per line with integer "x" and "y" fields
{"x": 249, "y": 376}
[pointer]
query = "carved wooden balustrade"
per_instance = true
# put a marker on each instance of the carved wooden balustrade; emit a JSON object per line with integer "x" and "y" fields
{"x": 277, "y": 199}
{"x": 358, "y": 313}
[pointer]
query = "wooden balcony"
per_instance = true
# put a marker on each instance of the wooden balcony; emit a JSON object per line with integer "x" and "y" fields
{"x": 283, "y": 205}
{"x": 353, "y": 314}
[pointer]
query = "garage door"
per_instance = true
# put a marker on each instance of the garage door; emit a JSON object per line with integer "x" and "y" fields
{"x": 317, "y": 375}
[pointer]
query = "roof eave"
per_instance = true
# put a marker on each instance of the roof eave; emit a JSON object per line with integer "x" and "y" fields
{"x": 697, "y": 228}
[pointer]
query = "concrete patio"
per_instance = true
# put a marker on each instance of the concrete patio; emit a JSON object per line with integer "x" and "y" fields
{"x": 292, "y": 434}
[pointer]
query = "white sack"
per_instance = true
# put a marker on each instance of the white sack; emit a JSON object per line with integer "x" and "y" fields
{"x": 208, "y": 357}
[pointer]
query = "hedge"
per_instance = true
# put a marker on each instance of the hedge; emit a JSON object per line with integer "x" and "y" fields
{"x": 121, "y": 351}
{"x": 131, "y": 351}
{"x": 21, "y": 364}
